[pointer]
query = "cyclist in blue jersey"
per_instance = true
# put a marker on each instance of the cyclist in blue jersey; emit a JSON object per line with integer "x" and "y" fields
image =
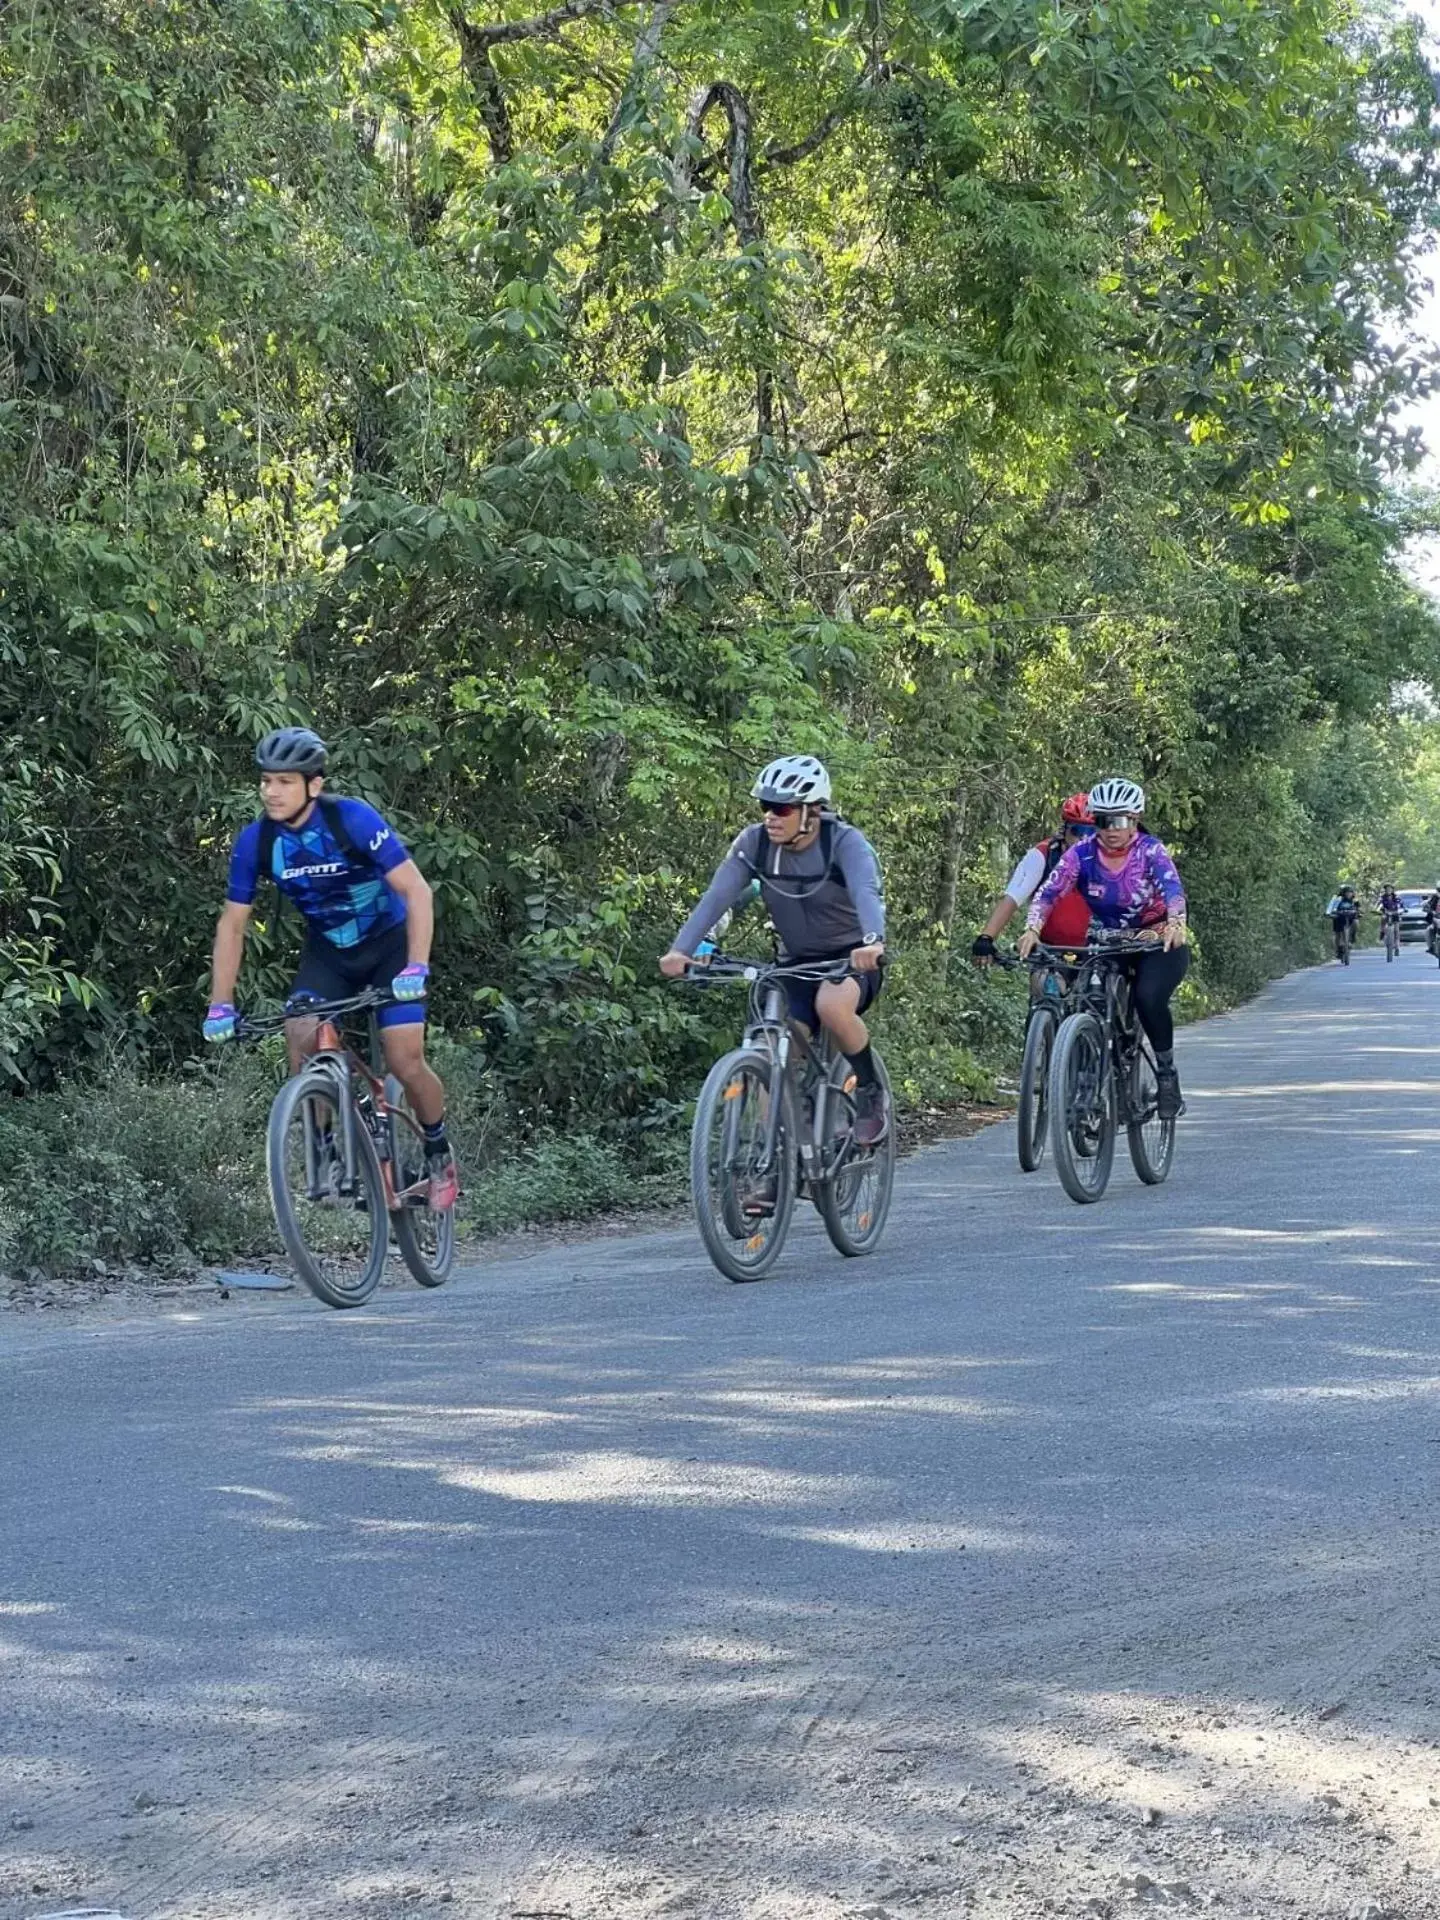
{"x": 369, "y": 920}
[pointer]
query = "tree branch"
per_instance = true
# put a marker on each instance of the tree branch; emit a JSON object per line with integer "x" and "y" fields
{"x": 721, "y": 93}
{"x": 776, "y": 156}
{"x": 485, "y": 83}
{"x": 647, "y": 46}
{"x": 540, "y": 25}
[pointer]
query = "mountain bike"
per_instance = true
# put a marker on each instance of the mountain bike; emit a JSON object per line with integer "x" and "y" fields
{"x": 1392, "y": 937}
{"x": 346, "y": 1163}
{"x": 775, "y": 1123}
{"x": 1054, "y": 968}
{"x": 1103, "y": 1072}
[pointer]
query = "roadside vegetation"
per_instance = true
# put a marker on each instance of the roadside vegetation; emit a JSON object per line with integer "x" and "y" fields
{"x": 564, "y": 410}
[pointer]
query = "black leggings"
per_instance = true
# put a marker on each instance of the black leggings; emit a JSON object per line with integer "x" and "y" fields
{"x": 1156, "y": 976}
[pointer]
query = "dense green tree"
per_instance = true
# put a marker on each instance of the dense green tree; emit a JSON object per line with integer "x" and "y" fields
{"x": 566, "y": 409}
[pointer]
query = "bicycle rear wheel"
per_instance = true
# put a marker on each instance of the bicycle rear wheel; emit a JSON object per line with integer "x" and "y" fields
{"x": 1152, "y": 1140}
{"x": 336, "y": 1239}
{"x": 1033, "y": 1116}
{"x": 854, "y": 1202}
{"x": 424, "y": 1235}
{"x": 743, "y": 1215}
{"x": 1082, "y": 1108}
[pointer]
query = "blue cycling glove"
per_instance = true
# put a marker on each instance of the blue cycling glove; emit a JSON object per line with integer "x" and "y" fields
{"x": 220, "y": 1018}
{"x": 410, "y": 982}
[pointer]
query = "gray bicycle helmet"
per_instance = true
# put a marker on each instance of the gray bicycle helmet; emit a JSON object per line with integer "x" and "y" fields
{"x": 292, "y": 750}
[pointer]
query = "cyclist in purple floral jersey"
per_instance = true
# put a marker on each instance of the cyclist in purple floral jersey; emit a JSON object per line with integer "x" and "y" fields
{"x": 1130, "y": 884}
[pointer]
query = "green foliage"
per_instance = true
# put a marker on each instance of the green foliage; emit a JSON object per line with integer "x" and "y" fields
{"x": 164, "y": 1172}
{"x": 988, "y": 395}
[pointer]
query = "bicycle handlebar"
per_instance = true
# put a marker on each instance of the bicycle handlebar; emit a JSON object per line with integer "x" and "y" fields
{"x": 1111, "y": 945}
{"x": 725, "y": 966}
{"x": 259, "y": 1026}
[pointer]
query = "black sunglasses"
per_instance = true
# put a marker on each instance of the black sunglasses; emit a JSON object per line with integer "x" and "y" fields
{"x": 781, "y": 808}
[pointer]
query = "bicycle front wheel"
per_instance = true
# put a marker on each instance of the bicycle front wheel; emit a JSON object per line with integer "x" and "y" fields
{"x": 743, "y": 1210}
{"x": 424, "y": 1235}
{"x": 1152, "y": 1140}
{"x": 854, "y": 1201}
{"x": 336, "y": 1233}
{"x": 1082, "y": 1108}
{"x": 1033, "y": 1117}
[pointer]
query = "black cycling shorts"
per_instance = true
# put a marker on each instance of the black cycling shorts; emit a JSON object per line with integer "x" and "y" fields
{"x": 800, "y": 994}
{"x": 334, "y": 973}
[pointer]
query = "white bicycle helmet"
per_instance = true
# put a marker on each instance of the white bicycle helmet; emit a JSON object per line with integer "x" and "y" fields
{"x": 796, "y": 778}
{"x": 1117, "y": 796}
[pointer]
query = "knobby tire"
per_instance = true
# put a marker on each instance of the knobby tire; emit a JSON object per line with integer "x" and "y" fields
{"x": 1033, "y": 1117}
{"x": 305, "y": 1225}
{"x": 1151, "y": 1139}
{"x": 855, "y": 1204}
{"x": 1082, "y": 1109}
{"x": 726, "y": 1134}
{"x": 425, "y": 1237}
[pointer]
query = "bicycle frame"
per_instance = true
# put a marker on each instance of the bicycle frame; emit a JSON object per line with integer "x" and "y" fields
{"x": 803, "y": 1061}
{"x": 1103, "y": 988}
{"x": 359, "y": 1089}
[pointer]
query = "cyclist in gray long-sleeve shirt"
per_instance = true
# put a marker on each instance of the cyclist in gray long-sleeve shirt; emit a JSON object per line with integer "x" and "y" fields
{"x": 820, "y": 880}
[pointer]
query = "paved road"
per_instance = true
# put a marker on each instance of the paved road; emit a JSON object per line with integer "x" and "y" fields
{"x": 1054, "y": 1552}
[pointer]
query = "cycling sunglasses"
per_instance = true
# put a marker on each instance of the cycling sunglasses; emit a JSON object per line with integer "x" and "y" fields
{"x": 782, "y": 809}
{"x": 1119, "y": 820}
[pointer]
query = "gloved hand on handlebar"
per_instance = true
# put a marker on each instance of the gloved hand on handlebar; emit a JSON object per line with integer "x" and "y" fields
{"x": 220, "y": 1018}
{"x": 411, "y": 982}
{"x": 983, "y": 950}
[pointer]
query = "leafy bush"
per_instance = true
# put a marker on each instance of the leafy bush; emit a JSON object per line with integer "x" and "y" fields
{"x": 165, "y": 1172}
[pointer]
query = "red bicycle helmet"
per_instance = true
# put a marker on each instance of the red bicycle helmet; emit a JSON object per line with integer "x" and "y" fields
{"x": 1076, "y": 811}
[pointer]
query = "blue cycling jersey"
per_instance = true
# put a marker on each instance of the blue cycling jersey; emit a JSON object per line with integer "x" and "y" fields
{"x": 342, "y": 895}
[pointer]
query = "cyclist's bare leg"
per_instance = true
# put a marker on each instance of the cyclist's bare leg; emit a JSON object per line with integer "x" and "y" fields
{"x": 404, "y": 1048}
{"x": 300, "y": 1041}
{"x": 835, "y": 1002}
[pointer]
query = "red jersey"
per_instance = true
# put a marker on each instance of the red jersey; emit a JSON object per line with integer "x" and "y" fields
{"x": 1069, "y": 919}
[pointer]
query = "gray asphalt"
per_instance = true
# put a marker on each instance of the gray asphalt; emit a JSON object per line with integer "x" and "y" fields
{"x": 597, "y": 1585}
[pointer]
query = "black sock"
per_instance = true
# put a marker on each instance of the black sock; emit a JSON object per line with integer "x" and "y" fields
{"x": 864, "y": 1065}
{"x": 437, "y": 1141}
{"x": 1165, "y": 1059}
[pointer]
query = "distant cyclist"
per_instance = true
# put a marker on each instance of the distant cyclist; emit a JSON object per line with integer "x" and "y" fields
{"x": 369, "y": 919}
{"x": 1131, "y": 885}
{"x": 1069, "y": 920}
{"x": 1391, "y": 911}
{"x": 1343, "y": 914}
{"x": 820, "y": 881}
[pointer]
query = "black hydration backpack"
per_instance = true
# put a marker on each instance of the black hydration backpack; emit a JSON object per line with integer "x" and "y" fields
{"x": 334, "y": 820}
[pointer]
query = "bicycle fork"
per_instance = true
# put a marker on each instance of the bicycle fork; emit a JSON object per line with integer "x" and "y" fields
{"x": 774, "y": 1118}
